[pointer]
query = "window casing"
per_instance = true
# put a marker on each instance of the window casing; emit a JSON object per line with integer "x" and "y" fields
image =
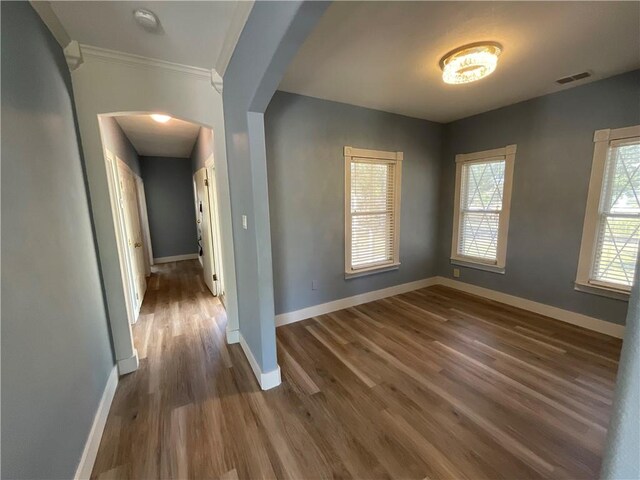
{"x": 481, "y": 209}
{"x": 372, "y": 210}
{"x": 611, "y": 231}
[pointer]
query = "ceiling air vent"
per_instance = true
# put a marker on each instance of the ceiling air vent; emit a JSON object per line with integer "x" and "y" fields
{"x": 573, "y": 78}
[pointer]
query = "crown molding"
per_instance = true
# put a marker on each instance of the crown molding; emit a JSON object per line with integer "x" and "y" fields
{"x": 73, "y": 55}
{"x": 216, "y": 81}
{"x": 239, "y": 18}
{"x": 51, "y": 20}
{"x": 91, "y": 53}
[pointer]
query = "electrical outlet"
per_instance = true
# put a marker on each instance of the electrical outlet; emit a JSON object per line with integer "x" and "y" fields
{"x": 314, "y": 284}
{"x": 456, "y": 272}
{"x": 244, "y": 222}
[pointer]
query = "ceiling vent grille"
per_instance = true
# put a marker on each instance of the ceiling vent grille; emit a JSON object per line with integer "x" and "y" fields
{"x": 573, "y": 78}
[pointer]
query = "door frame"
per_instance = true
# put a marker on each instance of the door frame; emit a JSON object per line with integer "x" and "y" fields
{"x": 107, "y": 84}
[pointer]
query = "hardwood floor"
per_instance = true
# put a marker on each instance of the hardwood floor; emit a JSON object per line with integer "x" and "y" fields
{"x": 428, "y": 384}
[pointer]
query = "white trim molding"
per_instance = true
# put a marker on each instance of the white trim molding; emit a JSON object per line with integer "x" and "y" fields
{"x": 128, "y": 365}
{"x": 578, "y": 319}
{"x": 323, "y": 308}
{"x": 567, "y": 316}
{"x": 508, "y": 155}
{"x": 602, "y": 140}
{"x": 239, "y": 18}
{"x": 233, "y": 336}
{"x": 83, "y": 472}
{"x": 73, "y": 54}
{"x": 51, "y": 20}
{"x": 91, "y": 53}
{"x": 176, "y": 258}
{"x": 266, "y": 380}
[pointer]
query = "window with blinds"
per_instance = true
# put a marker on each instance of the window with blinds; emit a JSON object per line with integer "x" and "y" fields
{"x": 481, "y": 212}
{"x": 480, "y": 207}
{"x": 372, "y": 191}
{"x": 618, "y": 228}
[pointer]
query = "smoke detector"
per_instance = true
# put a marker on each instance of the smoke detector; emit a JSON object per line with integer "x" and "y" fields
{"x": 146, "y": 19}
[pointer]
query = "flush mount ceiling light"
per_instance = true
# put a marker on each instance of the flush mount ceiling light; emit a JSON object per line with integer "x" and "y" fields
{"x": 160, "y": 118}
{"x": 470, "y": 62}
{"x": 146, "y": 19}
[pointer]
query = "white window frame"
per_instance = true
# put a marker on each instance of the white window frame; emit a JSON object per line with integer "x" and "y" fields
{"x": 508, "y": 154}
{"x": 387, "y": 157}
{"x": 602, "y": 140}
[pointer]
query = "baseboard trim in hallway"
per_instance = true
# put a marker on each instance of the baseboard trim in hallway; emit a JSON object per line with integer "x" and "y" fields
{"x": 128, "y": 365}
{"x": 90, "y": 451}
{"x": 266, "y": 380}
{"x": 176, "y": 258}
{"x": 233, "y": 336}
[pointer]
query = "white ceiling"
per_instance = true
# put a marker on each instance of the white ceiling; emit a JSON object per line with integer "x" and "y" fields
{"x": 150, "y": 138}
{"x": 384, "y": 55}
{"x": 199, "y": 34}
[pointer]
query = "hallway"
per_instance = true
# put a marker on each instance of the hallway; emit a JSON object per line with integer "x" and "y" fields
{"x": 170, "y": 409}
{"x": 366, "y": 392}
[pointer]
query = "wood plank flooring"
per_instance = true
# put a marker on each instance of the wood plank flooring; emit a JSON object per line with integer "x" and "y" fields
{"x": 429, "y": 384}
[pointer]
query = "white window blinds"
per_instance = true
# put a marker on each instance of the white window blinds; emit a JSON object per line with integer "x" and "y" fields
{"x": 618, "y": 231}
{"x": 372, "y": 212}
{"x": 481, "y": 210}
{"x": 480, "y": 207}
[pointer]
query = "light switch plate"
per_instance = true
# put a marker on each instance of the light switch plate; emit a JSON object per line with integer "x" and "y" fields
{"x": 244, "y": 222}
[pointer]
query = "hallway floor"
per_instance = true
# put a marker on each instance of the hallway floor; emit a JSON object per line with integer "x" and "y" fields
{"x": 429, "y": 384}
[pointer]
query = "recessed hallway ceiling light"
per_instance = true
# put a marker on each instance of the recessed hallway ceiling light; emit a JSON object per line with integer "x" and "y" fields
{"x": 146, "y": 19}
{"x": 160, "y": 118}
{"x": 470, "y": 62}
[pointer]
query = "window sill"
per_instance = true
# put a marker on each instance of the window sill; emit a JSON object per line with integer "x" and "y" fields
{"x": 478, "y": 266}
{"x": 602, "y": 291}
{"x": 371, "y": 271}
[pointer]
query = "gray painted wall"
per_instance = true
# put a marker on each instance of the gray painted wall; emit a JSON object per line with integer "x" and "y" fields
{"x": 168, "y": 187}
{"x": 273, "y": 33}
{"x": 202, "y": 149}
{"x": 56, "y": 352}
{"x": 554, "y": 134}
{"x": 621, "y": 458}
{"x": 305, "y": 162}
{"x": 115, "y": 140}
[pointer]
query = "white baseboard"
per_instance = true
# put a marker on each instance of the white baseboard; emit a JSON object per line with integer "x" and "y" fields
{"x": 266, "y": 380}
{"x": 233, "y": 336}
{"x": 90, "y": 451}
{"x": 566, "y": 316}
{"x": 175, "y": 258}
{"x": 323, "y": 308}
{"x": 128, "y": 365}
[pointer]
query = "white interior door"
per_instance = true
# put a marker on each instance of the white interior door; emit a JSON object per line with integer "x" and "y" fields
{"x": 203, "y": 219}
{"x": 134, "y": 230}
{"x": 216, "y": 237}
{"x": 144, "y": 223}
{"x": 120, "y": 232}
